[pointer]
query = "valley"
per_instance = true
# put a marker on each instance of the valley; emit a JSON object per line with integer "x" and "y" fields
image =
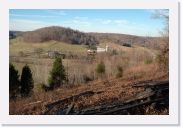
{"x": 123, "y": 66}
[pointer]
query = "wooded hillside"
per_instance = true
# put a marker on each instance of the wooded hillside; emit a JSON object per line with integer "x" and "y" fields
{"x": 59, "y": 34}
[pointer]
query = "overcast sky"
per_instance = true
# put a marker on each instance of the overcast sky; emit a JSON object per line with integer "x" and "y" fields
{"x": 126, "y": 21}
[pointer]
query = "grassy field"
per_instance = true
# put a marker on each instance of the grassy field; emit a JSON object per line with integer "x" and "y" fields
{"x": 78, "y": 68}
{"x": 17, "y": 45}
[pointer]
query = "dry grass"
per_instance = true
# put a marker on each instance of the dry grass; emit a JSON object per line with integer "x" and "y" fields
{"x": 79, "y": 70}
{"x": 112, "y": 89}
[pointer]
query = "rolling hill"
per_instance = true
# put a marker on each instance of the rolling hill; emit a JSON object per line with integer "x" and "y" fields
{"x": 71, "y": 36}
{"x": 145, "y": 41}
{"x": 59, "y": 34}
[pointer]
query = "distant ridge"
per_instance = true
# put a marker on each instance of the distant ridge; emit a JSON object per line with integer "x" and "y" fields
{"x": 147, "y": 41}
{"x": 71, "y": 36}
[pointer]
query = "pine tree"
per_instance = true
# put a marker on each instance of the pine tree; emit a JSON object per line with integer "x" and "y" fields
{"x": 14, "y": 83}
{"x": 27, "y": 83}
{"x": 57, "y": 74}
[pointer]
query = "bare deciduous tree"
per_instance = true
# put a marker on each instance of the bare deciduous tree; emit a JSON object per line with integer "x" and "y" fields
{"x": 163, "y": 57}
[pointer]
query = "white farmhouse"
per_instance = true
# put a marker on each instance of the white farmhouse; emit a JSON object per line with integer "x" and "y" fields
{"x": 102, "y": 49}
{"x": 99, "y": 50}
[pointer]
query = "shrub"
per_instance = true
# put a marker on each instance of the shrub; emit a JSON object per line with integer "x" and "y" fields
{"x": 127, "y": 45}
{"x": 14, "y": 82}
{"x": 57, "y": 74}
{"x": 46, "y": 88}
{"x": 100, "y": 69}
{"x": 148, "y": 61}
{"x": 119, "y": 71}
{"x": 163, "y": 61}
{"x": 114, "y": 52}
{"x": 92, "y": 46}
{"x": 27, "y": 83}
{"x": 86, "y": 78}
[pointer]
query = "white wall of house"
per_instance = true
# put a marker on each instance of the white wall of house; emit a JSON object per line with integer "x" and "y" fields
{"x": 99, "y": 50}
{"x": 102, "y": 49}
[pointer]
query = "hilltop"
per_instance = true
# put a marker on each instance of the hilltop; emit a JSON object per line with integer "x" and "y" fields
{"x": 57, "y": 33}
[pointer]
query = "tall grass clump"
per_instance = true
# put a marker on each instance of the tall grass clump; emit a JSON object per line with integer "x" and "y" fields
{"x": 148, "y": 61}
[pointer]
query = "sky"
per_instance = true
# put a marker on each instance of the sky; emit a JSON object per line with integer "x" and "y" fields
{"x": 126, "y": 21}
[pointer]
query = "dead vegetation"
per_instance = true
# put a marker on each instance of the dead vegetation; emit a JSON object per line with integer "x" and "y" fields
{"x": 103, "y": 91}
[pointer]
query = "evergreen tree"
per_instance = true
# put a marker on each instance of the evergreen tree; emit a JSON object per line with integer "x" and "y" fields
{"x": 14, "y": 83}
{"x": 27, "y": 83}
{"x": 57, "y": 74}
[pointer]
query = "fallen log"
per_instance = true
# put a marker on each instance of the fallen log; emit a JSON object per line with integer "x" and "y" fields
{"x": 151, "y": 84}
{"x": 154, "y": 92}
{"x": 75, "y": 97}
{"x": 69, "y": 99}
{"x": 148, "y": 96}
{"x": 131, "y": 106}
{"x": 140, "y": 96}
